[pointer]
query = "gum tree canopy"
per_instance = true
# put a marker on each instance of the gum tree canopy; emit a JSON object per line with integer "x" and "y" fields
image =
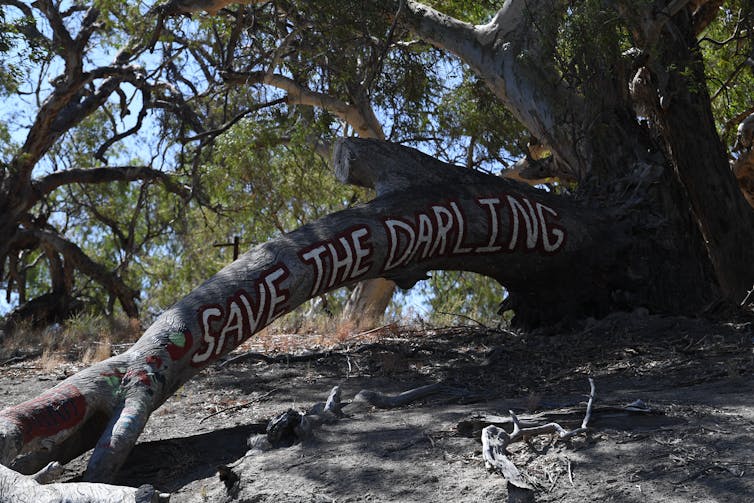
{"x": 647, "y": 209}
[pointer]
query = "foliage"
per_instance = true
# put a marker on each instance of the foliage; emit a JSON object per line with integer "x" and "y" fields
{"x": 245, "y": 156}
{"x": 728, "y": 49}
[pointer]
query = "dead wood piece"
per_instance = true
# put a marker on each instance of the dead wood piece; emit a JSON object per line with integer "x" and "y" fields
{"x": 17, "y": 487}
{"x": 385, "y": 401}
{"x": 293, "y": 426}
{"x": 281, "y": 429}
{"x": 495, "y": 441}
{"x": 333, "y": 401}
{"x": 49, "y": 473}
{"x": 228, "y": 477}
{"x": 322, "y": 412}
{"x": 20, "y": 358}
{"x": 282, "y": 358}
{"x": 258, "y": 443}
{"x": 241, "y": 405}
{"x": 634, "y": 415}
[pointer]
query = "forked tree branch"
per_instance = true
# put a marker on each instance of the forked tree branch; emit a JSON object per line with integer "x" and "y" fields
{"x": 81, "y": 261}
{"x": 363, "y": 121}
{"x": 514, "y": 55}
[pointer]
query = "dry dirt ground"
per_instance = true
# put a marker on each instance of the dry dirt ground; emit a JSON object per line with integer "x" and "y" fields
{"x": 695, "y": 446}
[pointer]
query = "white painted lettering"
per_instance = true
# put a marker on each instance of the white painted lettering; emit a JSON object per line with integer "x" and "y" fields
{"x": 277, "y": 298}
{"x": 361, "y": 251}
{"x": 457, "y": 249}
{"x": 394, "y": 242}
{"x": 338, "y": 263}
{"x": 233, "y": 325}
{"x": 319, "y": 268}
{"x": 443, "y": 228}
{"x": 424, "y": 238}
{"x": 207, "y": 336}
{"x": 559, "y": 234}
{"x": 530, "y": 221}
{"x": 491, "y": 202}
{"x": 254, "y": 313}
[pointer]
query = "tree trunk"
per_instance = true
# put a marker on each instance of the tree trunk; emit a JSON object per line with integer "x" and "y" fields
{"x": 700, "y": 161}
{"x": 427, "y": 215}
{"x": 368, "y": 301}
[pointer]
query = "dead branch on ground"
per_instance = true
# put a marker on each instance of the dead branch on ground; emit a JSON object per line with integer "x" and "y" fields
{"x": 495, "y": 441}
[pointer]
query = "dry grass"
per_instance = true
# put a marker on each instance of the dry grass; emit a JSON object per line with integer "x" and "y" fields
{"x": 89, "y": 339}
{"x": 332, "y": 333}
{"x": 100, "y": 350}
{"x": 51, "y": 360}
{"x": 85, "y": 338}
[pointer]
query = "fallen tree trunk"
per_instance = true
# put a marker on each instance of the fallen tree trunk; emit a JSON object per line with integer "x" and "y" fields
{"x": 490, "y": 225}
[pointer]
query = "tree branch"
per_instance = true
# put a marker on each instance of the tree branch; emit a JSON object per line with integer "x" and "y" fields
{"x": 705, "y": 14}
{"x": 234, "y": 120}
{"x": 86, "y": 265}
{"x": 106, "y": 175}
{"x": 515, "y": 58}
{"x": 365, "y": 124}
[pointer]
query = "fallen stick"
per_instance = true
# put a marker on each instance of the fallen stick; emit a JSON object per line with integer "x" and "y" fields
{"x": 495, "y": 441}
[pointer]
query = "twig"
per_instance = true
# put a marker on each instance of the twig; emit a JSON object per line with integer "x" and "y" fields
{"x": 495, "y": 441}
{"x": 589, "y": 404}
{"x": 748, "y": 295}
{"x": 464, "y": 317}
{"x": 20, "y": 358}
{"x": 282, "y": 358}
{"x": 360, "y": 334}
{"x": 241, "y": 405}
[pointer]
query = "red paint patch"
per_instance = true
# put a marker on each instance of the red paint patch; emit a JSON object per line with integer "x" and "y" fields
{"x": 154, "y": 361}
{"x": 56, "y": 410}
{"x": 140, "y": 375}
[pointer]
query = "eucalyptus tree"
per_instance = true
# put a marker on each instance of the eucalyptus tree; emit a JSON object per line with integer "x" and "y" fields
{"x": 615, "y": 96}
{"x": 175, "y": 88}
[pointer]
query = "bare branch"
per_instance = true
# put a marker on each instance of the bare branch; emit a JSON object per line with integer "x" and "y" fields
{"x": 60, "y": 32}
{"x": 100, "y": 154}
{"x": 28, "y": 29}
{"x": 18, "y": 487}
{"x": 495, "y": 441}
{"x": 81, "y": 261}
{"x": 234, "y": 120}
{"x": 361, "y": 120}
{"x": 523, "y": 84}
{"x": 52, "y": 181}
{"x": 211, "y": 7}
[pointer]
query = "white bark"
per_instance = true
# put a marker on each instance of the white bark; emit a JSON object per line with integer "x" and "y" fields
{"x": 516, "y": 62}
{"x": 17, "y": 488}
